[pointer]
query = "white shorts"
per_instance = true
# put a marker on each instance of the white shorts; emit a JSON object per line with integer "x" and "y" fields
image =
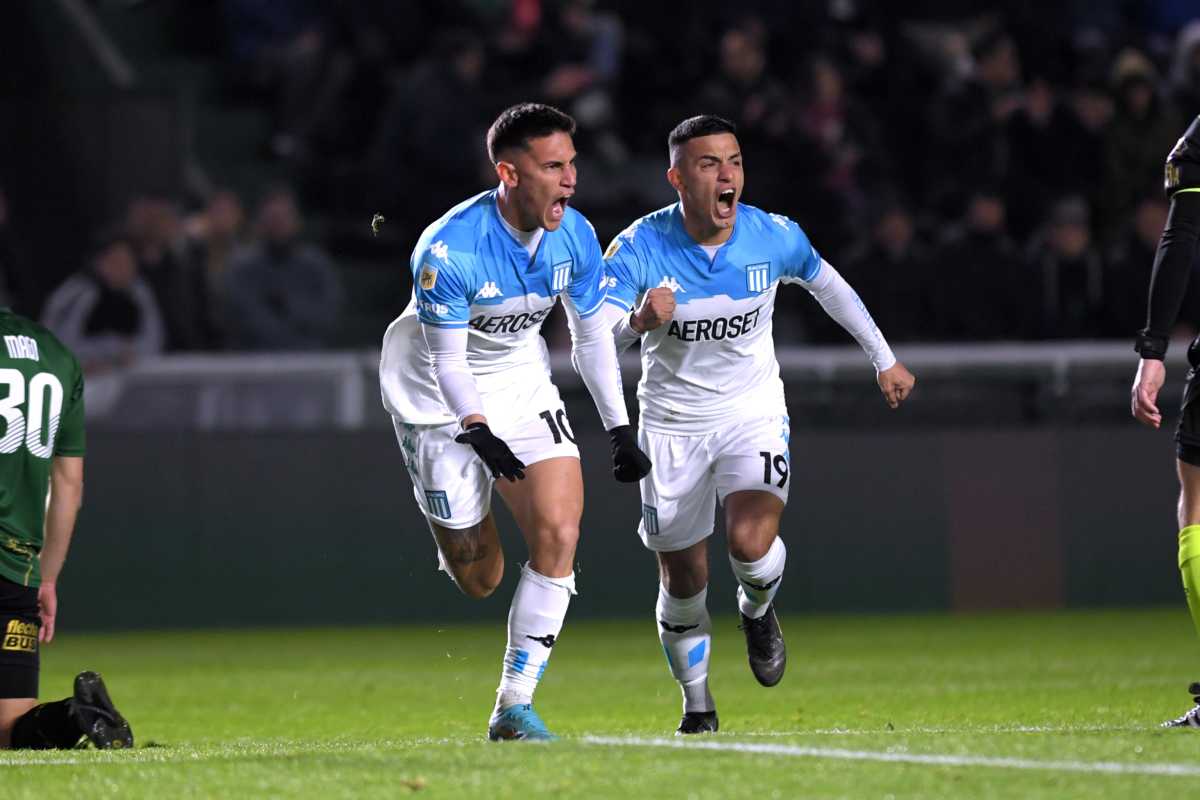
{"x": 452, "y": 485}
{"x": 691, "y": 473}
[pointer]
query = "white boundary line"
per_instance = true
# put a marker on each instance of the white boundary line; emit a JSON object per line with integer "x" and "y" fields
{"x": 931, "y": 759}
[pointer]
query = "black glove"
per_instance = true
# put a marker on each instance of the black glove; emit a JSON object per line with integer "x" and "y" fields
{"x": 630, "y": 464}
{"x": 493, "y": 451}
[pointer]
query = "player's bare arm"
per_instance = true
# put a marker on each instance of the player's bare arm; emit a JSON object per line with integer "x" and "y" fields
{"x": 66, "y": 496}
{"x": 896, "y": 383}
{"x": 1151, "y": 374}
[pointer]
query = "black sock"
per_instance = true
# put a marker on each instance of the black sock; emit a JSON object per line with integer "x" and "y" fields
{"x": 49, "y": 726}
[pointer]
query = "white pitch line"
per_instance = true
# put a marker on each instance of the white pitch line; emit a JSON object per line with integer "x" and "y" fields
{"x": 938, "y": 760}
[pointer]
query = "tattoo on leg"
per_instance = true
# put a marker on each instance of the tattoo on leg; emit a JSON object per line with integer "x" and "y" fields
{"x": 463, "y": 547}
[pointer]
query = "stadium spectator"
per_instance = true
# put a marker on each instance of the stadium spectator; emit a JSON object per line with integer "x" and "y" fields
{"x": 281, "y": 293}
{"x": 435, "y": 114}
{"x": 212, "y": 236}
{"x": 1185, "y": 70}
{"x": 161, "y": 249}
{"x": 843, "y": 136}
{"x": 891, "y": 272}
{"x": 1045, "y": 159}
{"x": 979, "y": 292}
{"x": 1127, "y": 273}
{"x": 1143, "y": 128}
{"x": 1069, "y": 272}
{"x": 969, "y": 122}
{"x": 106, "y": 314}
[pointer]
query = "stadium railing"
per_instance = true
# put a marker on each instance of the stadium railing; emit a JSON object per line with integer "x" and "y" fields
{"x": 980, "y": 384}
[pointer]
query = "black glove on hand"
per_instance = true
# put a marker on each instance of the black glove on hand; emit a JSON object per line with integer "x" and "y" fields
{"x": 493, "y": 451}
{"x": 630, "y": 464}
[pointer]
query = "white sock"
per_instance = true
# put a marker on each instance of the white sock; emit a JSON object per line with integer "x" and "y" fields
{"x": 758, "y": 581}
{"x": 685, "y": 630}
{"x": 534, "y": 622}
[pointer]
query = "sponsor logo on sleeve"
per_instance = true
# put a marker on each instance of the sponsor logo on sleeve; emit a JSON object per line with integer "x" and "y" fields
{"x": 613, "y": 247}
{"x": 437, "y": 309}
{"x": 428, "y": 276}
{"x": 607, "y": 282}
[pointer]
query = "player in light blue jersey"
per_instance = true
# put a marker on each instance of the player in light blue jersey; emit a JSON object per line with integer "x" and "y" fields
{"x": 713, "y": 417}
{"x": 466, "y": 377}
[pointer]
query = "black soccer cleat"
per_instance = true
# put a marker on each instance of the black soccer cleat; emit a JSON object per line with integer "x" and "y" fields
{"x": 1192, "y": 718}
{"x": 96, "y": 715}
{"x": 765, "y": 647}
{"x": 698, "y": 722}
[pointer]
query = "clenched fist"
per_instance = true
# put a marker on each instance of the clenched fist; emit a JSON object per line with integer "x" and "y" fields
{"x": 896, "y": 383}
{"x": 658, "y": 305}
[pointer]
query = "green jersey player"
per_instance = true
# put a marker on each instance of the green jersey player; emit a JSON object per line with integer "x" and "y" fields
{"x": 41, "y": 485}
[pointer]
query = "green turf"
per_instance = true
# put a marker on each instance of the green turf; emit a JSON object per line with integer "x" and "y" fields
{"x": 396, "y": 712}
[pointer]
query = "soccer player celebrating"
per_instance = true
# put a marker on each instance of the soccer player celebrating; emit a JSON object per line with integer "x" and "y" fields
{"x": 1168, "y": 284}
{"x": 466, "y": 378}
{"x": 713, "y": 417}
{"x": 41, "y": 448}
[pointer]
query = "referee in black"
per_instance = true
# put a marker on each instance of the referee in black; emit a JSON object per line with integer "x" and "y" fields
{"x": 1168, "y": 284}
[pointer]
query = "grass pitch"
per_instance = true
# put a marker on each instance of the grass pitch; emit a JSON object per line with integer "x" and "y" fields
{"x": 1021, "y": 706}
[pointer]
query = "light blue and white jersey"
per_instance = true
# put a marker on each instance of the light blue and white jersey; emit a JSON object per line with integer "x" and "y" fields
{"x": 715, "y": 360}
{"x": 470, "y": 272}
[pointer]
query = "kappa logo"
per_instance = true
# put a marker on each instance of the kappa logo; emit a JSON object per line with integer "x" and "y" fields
{"x": 670, "y": 283}
{"x": 489, "y": 290}
{"x": 546, "y": 641}
{"x": 761, "y": 587}
{"x": 780, "y": 220}
{"x": 440, "y": 250}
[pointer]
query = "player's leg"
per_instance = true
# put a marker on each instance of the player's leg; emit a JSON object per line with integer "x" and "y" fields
{"x": 1187, "y": 439}
{"x": 678, "y": 504}
{"x": 453, "y": 491}
{"x": 685, "y": 630}
{"x": 547, "y": 506}
{"x": 26, "y": 724}
{"x": 752, "y": 482}
{"x": 11, "y": 709}
{"x": 471, "y": 556}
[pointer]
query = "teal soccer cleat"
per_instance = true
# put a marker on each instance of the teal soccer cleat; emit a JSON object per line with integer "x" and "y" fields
{"x": 518, "y": 722}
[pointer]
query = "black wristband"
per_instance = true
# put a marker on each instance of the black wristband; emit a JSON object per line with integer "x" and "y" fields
{"x": 1150, "y": 346}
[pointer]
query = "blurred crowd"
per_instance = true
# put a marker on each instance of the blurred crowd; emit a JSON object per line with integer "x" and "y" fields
{"x": 977, "y": 170}
{"x": 160, "y": 281}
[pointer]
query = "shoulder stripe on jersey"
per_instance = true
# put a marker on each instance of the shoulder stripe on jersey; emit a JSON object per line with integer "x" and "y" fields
{"x": 442, "y": 324}
{"x": 593, "y": 309}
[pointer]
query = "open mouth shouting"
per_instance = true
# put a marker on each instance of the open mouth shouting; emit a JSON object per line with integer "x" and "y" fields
{"x": 557, "y": 210}
{"x": 726, "y": 204}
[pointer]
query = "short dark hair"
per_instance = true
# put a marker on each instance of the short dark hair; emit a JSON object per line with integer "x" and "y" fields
{"x": 695, "y": 127}
{"x": 518, "y": 124}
